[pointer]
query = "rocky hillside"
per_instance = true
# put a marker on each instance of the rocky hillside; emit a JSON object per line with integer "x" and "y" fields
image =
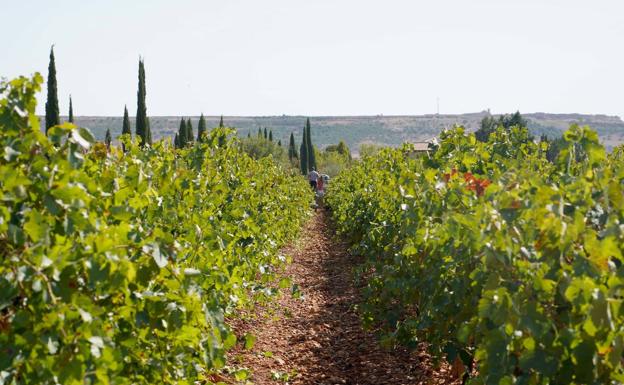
{"x": 355, "y": 130}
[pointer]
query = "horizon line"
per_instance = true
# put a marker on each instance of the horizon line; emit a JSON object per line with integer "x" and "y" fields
{"x": 350, "y": 116}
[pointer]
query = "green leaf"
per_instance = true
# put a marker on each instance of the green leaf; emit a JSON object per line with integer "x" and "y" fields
{"x": 250, "y": 340}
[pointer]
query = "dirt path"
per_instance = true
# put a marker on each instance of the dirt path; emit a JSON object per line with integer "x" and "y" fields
{"x": 318, "y": 339}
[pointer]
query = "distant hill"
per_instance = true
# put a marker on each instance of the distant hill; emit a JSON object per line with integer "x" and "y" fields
{"x": 355, "y": 130}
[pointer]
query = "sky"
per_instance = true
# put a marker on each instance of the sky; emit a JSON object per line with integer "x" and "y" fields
{"x": 322, "y": 57}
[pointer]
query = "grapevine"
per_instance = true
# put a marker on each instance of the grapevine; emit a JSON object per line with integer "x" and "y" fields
{"x": 120, "y": 267}
{"x": 494, "y": 256}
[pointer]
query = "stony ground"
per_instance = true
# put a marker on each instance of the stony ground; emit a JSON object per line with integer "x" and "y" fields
{"x": 318, "y": 339}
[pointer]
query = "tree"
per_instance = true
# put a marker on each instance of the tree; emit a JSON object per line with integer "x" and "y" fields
{"x": 149, "y": 132}
{"x": 259, "y": 132}
{"x": 292, "y": 150}
{"x": 141, "y": 116}
{"x": 182, "y": 133}
{"x": 271, "y": 136}
{"x": 279, "y": 143}
{"x": 126, "y": 130}
{"x": 221, "y": 122}
{"x": 310, "y": 150}
{"x": 265, "y": 133}
{"x": 249, "y": 135}
{"x": 303, "y": 150}
{"x": 53, "y": 116}
{"x": 108, "y": 139}
{"x": 71, "y": 111}
{"x": 341, "y": 148}
{"x": 489, "y": 124}
{"x": 201, "y": 128}
{"x": 176, "y": 141}
{"x": 189, "y": 131}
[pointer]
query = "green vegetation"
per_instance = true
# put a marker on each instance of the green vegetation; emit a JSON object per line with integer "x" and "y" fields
{"x": 70, "y": 116}
{"x": 489, "y": 125}
{"x": 108, "y": 139}
{"x": 259, "y": 148}
{"x": 310, "y": 147}
{"x": 189, "y": 131}
{"x": 307, "y": 151}
{"x": 52, "y": 114}
{"x": 121, "y": 267}
{"x": 126, "y": 130}
{"x": 181, "y": 135}
{"x": 142, "y": 123}
{"x": 303, "y": 154}
{"x": 292, "y": 149}
{"x": 495, "y": 256}
{"x": 369, "y": 149}
{"x": 333, "y": 159}
{"x": 201, "y": 128}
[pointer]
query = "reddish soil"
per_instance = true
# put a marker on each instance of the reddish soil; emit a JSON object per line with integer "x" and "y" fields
{"x": 318, "y": 339}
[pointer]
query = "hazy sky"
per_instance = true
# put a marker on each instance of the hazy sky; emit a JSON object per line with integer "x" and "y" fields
{"x": 322, "y": 57}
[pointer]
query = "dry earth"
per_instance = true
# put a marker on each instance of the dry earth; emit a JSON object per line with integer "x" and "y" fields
{"x": 318, "y": 339}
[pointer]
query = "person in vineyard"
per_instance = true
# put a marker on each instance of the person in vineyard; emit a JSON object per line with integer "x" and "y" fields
{"x": 313, "y": 177}
{"x": 319, "y": 185}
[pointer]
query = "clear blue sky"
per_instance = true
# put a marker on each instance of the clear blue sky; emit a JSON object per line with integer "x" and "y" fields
{"x": 323, "y": 57}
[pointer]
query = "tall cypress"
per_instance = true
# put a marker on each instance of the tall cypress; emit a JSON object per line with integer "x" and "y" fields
{"x": 201, "y": 127}
{"x": 271, "y": 136}
{"x": 292, "y": 151}
{"x": 71, "y": 111}
{"x": 265, "y": 133}
{"x": 126, "y": 130}
{"x": 303, "y": 150}
{"x": 221, "y": 122}
{"x": 182, "y": 133}
{"x": 279, "y": 143}
{"x": 176, "y": 141}
{"x": 148, "y": 136}
{"x": 53, "y": 116}
{"x": 259, "y": 132}
{"x": 310, "y": 150}
{"x": 189, "y": 131}
{"x": 141, "y": 115}
{"x": 108, "y": 139}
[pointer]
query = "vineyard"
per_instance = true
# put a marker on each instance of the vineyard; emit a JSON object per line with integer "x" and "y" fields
{"x": 482, "y": 262}
{"x": 500, "y": 261}
{"x": 122, "y": 267}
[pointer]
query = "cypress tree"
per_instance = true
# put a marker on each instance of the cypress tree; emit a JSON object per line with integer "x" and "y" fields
{"x": 108, "y": 139}
{"x": 182, "y": 133}
{"x": 71, "y": 111}
{"x": 141, "y": 115}
{"x": 201, "y": 128}
{"x": 310, "y": 150}
{"x": 148, "y": 137}
{"x": 303, "y": 160}
{"x": 52, "y": 105}
{"x": 126, "y": 130}
{"x": 249, "y": 135}
{"x": 259, "y": 132}
{"x": 303, "y": 150}
{"x": 176, "y": 141}
{"x": 265, "y": 133}
{"x": 271, "y": 135}
{"x": 279, "y": 143}
{"x": 189, "y": 131}
{"x": 221, "y": 122}
{"x": 292, "y": 151}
